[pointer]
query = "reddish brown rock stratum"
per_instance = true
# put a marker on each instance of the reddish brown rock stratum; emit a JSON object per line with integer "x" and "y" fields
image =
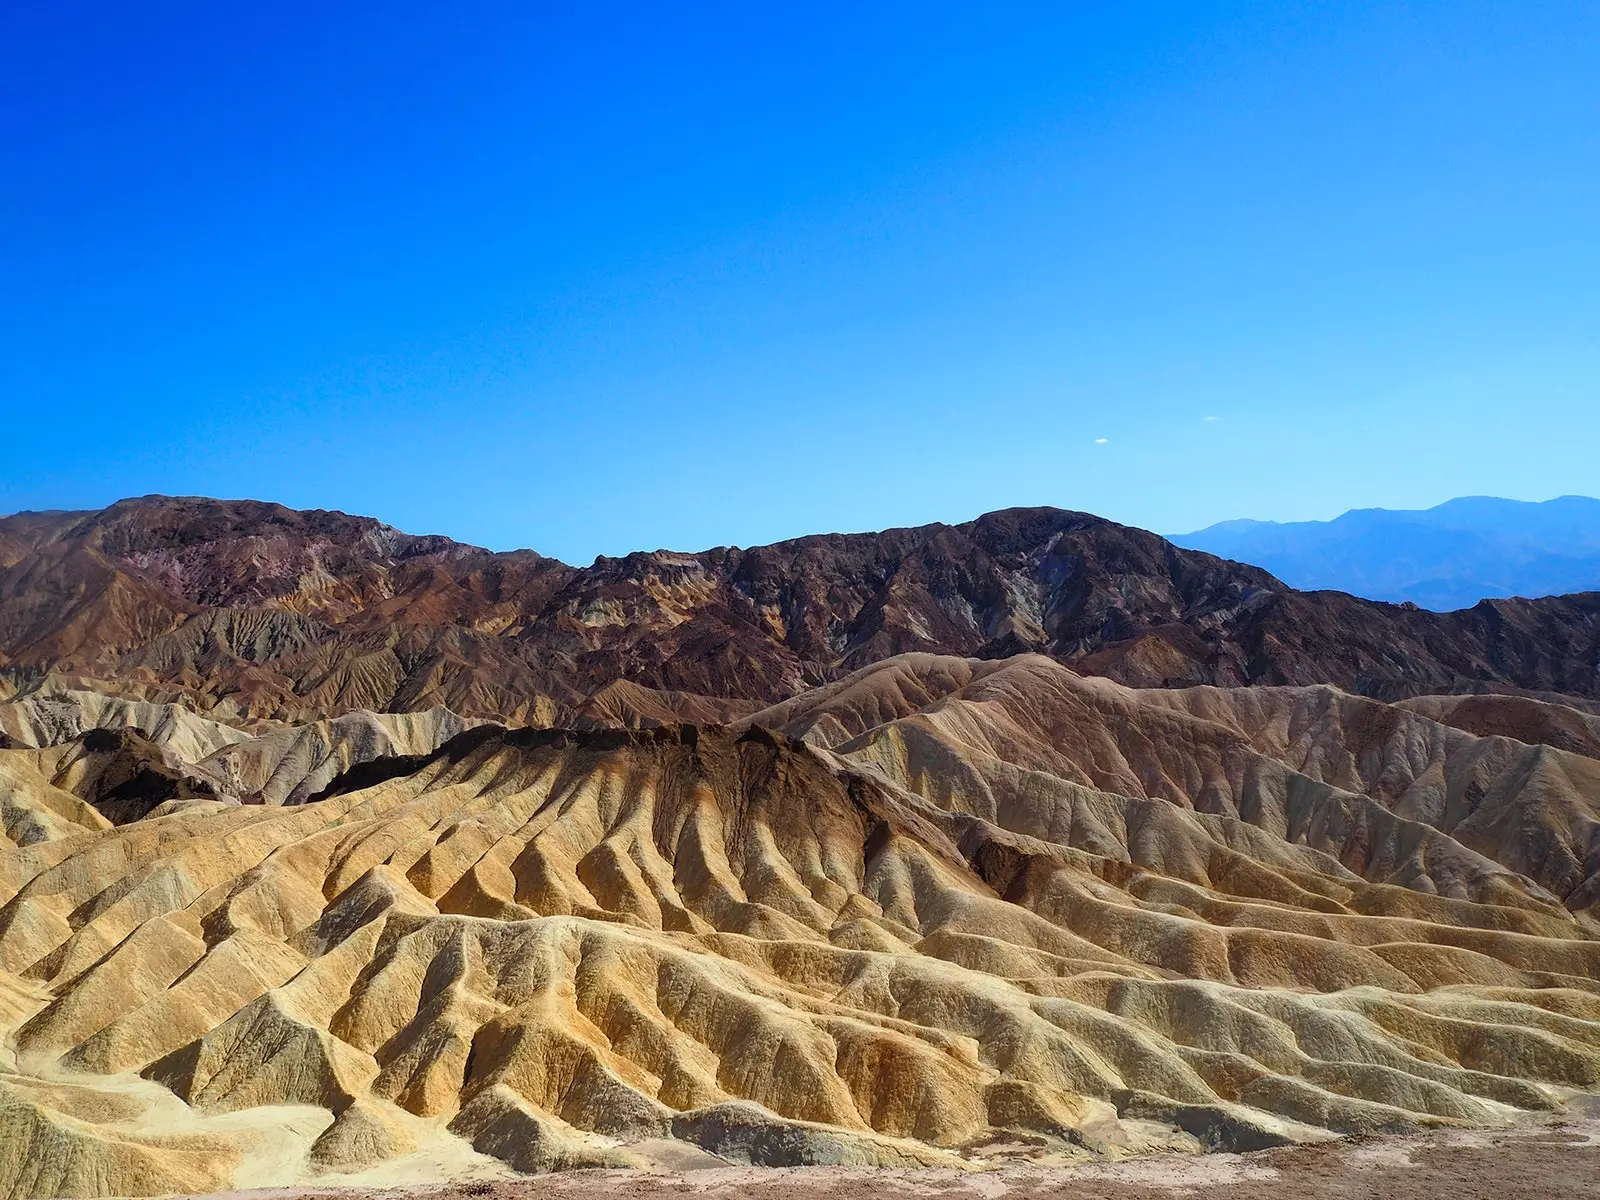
{"x": 270, "y": 612}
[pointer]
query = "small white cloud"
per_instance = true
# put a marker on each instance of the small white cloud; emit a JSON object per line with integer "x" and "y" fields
{"x": 1213, "y": 418}
{"x": 1101, "y": 441}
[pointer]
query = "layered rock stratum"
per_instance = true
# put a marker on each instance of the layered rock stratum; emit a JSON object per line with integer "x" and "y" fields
{"x": 712, "y": 860}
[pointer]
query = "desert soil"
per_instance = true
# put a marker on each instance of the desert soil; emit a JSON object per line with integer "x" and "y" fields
{"x": 1556, "y": 1160}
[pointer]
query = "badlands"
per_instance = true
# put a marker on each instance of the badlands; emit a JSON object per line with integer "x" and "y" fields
{"x": 335, "y": 858}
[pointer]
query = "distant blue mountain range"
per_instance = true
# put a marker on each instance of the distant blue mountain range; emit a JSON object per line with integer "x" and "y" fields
{"x": 1442, "y": 558}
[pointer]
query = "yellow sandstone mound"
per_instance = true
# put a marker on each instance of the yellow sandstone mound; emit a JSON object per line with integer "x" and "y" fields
{"x": 938, "y": 913}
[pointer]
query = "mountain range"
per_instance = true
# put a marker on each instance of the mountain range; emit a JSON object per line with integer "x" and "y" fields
{"x": 255, "y": 610}
{"x": 1442, "y": 558}
{"x": 336, "y": 856}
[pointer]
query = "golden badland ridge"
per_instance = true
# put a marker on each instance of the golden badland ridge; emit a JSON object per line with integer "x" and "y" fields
{"x": 923, "y": 909}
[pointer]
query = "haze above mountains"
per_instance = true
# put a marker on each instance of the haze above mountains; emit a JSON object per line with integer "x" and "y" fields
{"x": 337, "y": 855}
{"x": 1446, "y": 557}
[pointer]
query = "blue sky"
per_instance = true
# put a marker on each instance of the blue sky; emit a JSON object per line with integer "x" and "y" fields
{"x": 596, "y": 278}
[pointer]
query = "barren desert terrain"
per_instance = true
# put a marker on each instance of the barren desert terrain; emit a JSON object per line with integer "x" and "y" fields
{"x": 931, "y": 923}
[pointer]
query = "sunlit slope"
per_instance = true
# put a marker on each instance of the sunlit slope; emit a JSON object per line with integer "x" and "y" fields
{"x": 1396, "y": 796}
{"x": 995, "y": 908}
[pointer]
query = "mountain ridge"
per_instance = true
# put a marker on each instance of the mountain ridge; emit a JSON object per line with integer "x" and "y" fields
{"x": 1442, "y": 558}
{"x": 266, "y": 611}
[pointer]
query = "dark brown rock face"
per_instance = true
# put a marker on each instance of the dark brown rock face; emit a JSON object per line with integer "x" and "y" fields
{"x": 125, "y": 775}
{"x": 279, "y": 612}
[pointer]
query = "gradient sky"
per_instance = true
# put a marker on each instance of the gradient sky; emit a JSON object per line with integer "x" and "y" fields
{"x": 596, "y": 278}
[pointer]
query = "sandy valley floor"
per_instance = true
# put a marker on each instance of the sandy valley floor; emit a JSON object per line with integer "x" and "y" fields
{"x": 1561, "y": 1159}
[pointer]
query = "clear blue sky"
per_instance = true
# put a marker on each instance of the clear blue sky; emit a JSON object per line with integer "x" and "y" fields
{"x": 593, "y": 278}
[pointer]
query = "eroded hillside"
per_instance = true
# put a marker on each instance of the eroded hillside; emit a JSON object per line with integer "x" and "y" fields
{"x": 941, "y": 911}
